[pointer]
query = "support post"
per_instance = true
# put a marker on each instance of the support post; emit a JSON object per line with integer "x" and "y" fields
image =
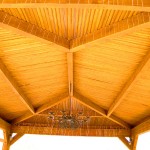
{"x": 134, "y": 142}
{"x": 6, "y": 143}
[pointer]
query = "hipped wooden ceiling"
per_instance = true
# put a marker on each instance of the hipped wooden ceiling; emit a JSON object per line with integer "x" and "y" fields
{"x": 95, "y": 52}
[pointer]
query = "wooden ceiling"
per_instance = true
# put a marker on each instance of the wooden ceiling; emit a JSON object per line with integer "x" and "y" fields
{"x": 94, "y": 52}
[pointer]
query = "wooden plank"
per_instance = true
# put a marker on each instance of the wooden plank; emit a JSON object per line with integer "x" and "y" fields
{"x": 27, "y": 29}
{"x": 15, "y": 138}
{"x": 15, "y": 87}
{"x": 129, "y": 84}
{"x": 6, "y": 144}
{"x": 4, "y": 125}
{"x": 42, "y": 108}
{"x": 77, "y": 132}
{"x": 121, "y": 28}
{"x": 70, "y": 73}
{"x": 125, "y": 142}
{"x": 107, "y": 4}
{"x": 99, "y": 110}
{"x": 142, "y": 127}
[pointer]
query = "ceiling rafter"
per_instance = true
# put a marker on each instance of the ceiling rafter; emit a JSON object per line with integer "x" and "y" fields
{"x": 70, "y": 73}
{"x": 27, "y": 29}
{"x": 80, "y": 132}
{"x": 129, "y": 84}
{"x": 40, "y": 109}
{"x": 99, "y": 110}
{"x": 15, "y": 87}
{"x": 115, "y": 30}
{"x": 107, "y": 4}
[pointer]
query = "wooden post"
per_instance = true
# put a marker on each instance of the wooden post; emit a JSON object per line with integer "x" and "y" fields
{"x": 6, "y": 143}
{"x": 134, "y": 142}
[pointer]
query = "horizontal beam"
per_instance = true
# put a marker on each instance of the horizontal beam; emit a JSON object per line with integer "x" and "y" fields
{"x": 16, "y": 138}
{"x": 42, "y": 108}
{"x": 15, "y": 87}
{"x": 77, "y": 132}
{"x": 107, "y": 4}
{"x": 83, "y": 100}
{"x": 124, "y": 27}
{"x": 27, "y": 29}
{"x": 142, "y": 127}
{"x": 4, "y": 125}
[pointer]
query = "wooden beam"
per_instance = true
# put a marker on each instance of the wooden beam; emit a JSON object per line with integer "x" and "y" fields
{"x": 6, "y": 143}
{"x": 83, "y": 100}
{"x": 15, "y": 87}
{"x": 70, "y": 73}
{"x": 4, "y": 125}
{"x": 134, "y": 142}
{"x": 107, "y": 4}
{"x": 77, "y": 132}
{"x": 121, "y": 28}
{"x": 42, "y": 108}
{"x": 142, "y": 127}
{"x": 129, "y": 84}
{"x": 125, "y": 142}
{"x": 27, "y": 29}
{"x": 15, "y": 138}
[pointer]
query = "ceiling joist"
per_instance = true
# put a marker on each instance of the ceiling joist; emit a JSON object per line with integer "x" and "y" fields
{"x": 124, "y": 27}
{"x": 107, "y": 4}
{"x": 42, "y": 108}
{"x": 129, "y": 84}
{"x": 77, "y": 132}
{"x": 15, "y": 87}
{"x": 27, "y": 29}
{"x": 99, "y": 110}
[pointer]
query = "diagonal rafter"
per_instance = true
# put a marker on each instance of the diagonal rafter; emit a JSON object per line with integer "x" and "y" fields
{"x": 42, "y": 108}
{"x": 118, "y": 29}
{"x": 15, "y": 87}
{"x": 129, "y": 84}
{"x": 27, "y": 29}
{"x": 107, "y": 4}
{"x": 99, "y": 110}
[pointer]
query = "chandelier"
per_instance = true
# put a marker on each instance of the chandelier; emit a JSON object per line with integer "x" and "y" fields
{"x": 69, "y": 120}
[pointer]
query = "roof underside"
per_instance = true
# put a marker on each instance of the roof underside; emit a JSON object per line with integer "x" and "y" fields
{"x": 34, "y": 74}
